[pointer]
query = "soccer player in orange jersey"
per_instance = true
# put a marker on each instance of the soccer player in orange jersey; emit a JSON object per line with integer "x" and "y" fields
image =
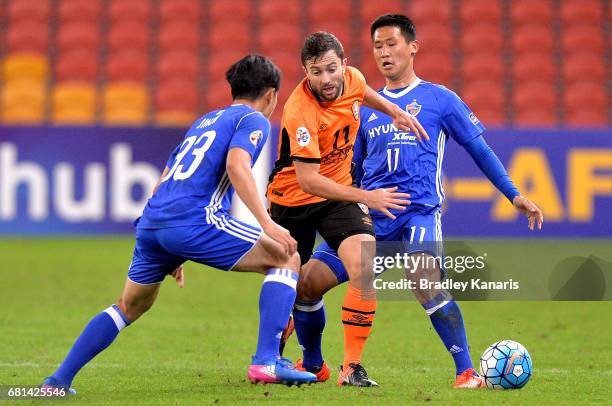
{"x": 310, "y": 188}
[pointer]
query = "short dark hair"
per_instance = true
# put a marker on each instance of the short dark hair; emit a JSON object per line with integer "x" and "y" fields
{"x": 251, "y": 76}
{"x": 400, "y": 21}
{"x": 315, "y": 45}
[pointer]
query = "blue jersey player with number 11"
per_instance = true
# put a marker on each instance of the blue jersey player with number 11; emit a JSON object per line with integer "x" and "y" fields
{"x": 385, "y": 157}
{"x": 187, "y": 219}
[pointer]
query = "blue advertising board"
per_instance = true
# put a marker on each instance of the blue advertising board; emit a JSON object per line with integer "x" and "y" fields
{"x": 567, "y": 173}
{"x": 78, "y": 180}
{"x": 96, "y": 180}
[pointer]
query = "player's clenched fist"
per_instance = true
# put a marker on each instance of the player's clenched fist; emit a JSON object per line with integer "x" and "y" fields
{"x": 385, "y": 199}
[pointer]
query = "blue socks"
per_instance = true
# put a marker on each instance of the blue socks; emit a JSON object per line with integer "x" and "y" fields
{"x": 446, "y": 318}
{"x": 97, "y": 335}
{"x": 275, "y": 303}
{"x": 309, "y": 319}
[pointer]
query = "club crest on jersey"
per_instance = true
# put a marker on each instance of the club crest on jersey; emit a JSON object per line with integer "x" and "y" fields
{"x": 255, "y": 137}
{"x": 413, "y": 108}
{"x": 303, "y": 136}
{"x": 355, "y": 108}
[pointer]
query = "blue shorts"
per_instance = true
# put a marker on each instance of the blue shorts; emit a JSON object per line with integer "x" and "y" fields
{"x": 159, "y": 251}
{"x": 418, "y": 228}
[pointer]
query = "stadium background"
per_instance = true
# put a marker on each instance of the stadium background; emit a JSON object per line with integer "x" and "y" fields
{"x": 95, "y": 93}
{"x": 120, "y": 80}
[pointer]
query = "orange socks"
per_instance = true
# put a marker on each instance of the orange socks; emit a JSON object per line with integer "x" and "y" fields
{"x": 358, "y": 312}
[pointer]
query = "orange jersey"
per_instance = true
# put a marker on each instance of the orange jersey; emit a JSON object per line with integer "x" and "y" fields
{"x": 316, "y": 132}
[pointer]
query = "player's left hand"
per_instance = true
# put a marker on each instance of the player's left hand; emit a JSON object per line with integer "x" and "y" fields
{"x": 405, "y": 121}
{"x": 179, "y": 276}
{"x": 530, "y": 210}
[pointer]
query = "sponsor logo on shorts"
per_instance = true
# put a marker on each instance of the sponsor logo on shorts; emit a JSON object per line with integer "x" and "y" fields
{"x": 303, "y": 136}
{"x": 363, "y": 208}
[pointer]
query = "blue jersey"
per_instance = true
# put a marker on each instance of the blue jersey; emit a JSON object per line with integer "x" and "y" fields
{"x": 386, "y": 157}
{"x": 197, "y": 185}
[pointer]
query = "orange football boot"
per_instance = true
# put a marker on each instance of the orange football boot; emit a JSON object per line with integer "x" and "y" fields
{"x": 322, "y": 375}
{"x": 469, "y": 379}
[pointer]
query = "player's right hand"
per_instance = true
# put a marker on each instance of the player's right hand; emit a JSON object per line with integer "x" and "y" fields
{"x": 385, "y": 199}
{"x": 179, "y": 276}
{"x": 280, "y": 235}
{"x": 405, "y": 121}
{"x": 529, "y": 210}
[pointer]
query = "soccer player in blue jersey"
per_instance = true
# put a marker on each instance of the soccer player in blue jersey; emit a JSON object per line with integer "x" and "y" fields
{"x": 384, "y": 157}
{"x": 187, "y": 219}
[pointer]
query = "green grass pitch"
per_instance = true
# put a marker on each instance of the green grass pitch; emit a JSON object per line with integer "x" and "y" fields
{"x": 194, "y": 345}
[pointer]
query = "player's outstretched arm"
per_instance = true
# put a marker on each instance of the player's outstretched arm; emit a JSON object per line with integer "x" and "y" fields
{"x": 312, "y": 182}
{"x": 402, "y": 120}
{"x": 239, "y": 171}
{"x": 491, "y": 166}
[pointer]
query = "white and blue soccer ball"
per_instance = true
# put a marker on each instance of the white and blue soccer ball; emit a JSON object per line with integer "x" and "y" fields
{"x": 506, "y": 365}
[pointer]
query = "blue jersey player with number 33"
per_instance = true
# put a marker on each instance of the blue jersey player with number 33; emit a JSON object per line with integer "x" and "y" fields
{"x": 187, "y": 219}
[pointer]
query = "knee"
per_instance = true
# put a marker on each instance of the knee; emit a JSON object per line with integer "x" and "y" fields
{"x": 428, "y": 268}
{"x": 279, "y": 258}
{"x": 306, "y": 288}
{"x": 357, "y": 257}
{"x": 311, "y": 285}
{"x": 360, "y": 274}
{"x": 294, "y": 262}
{"x": 132, "y": 309}
{"x": 282, "y": 260}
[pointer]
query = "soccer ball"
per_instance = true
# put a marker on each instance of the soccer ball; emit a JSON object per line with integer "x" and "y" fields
{"x": 506, "y": 365}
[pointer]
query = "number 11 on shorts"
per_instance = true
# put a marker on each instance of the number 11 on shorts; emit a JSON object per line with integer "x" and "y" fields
{"x": 421, "y": 234}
